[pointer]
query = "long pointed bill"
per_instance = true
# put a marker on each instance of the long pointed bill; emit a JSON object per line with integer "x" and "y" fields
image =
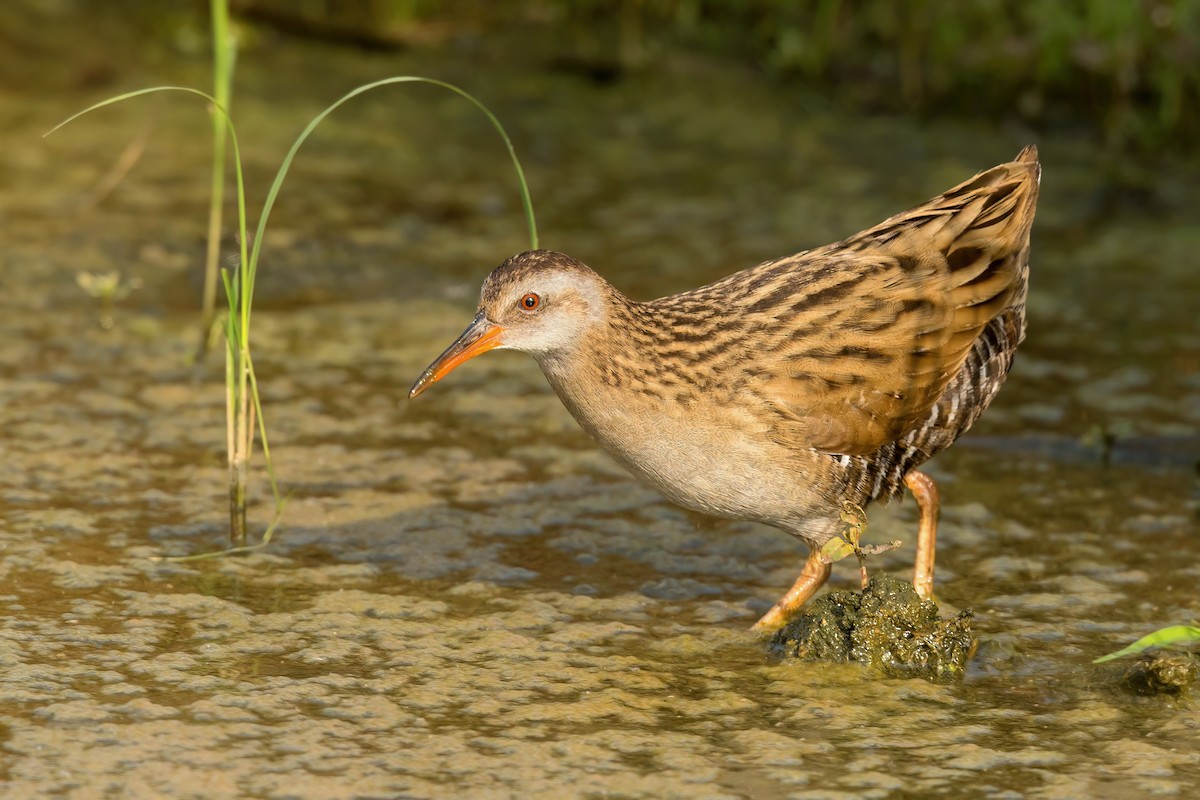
{"x": 479, "y": 337}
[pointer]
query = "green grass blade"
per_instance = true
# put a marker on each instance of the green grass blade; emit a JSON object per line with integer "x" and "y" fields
{"x": 1164, "y": 637}
{"x": 262, "y": 432}
{"x": 123, "y": 97}
{"x": 526, "y": 202}
{"x": 237, "y": 153}
{"x": 239, "y": 286}
{"x": 224, "y": 58}
{"x": 230, "y": 290}
{"x": 137, "y": 93}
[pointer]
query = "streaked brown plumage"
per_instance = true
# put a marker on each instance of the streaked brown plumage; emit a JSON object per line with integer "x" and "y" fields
{"x": 788, "y": 389}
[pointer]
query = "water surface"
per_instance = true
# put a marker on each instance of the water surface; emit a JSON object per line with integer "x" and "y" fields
{"x": 467, "y": 598}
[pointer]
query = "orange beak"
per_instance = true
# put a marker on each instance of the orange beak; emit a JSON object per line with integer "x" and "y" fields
{"x": 479, "y": 337}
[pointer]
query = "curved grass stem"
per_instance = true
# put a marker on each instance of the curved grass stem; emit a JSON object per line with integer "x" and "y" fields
{"x": 243, "y": 415}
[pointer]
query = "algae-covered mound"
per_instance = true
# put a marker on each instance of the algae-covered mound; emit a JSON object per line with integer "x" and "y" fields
{"x": 1161, "y": 673}
{"x": 887, "y": 626}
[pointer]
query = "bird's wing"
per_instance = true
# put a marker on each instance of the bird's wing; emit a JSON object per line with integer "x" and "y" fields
{"x": 868, "y": 339}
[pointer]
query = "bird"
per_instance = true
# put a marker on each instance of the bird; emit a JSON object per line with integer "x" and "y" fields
{"x": 792, "y": 390}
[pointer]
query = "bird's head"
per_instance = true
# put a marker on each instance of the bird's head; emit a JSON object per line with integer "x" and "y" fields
{"x": 540, "y": 302}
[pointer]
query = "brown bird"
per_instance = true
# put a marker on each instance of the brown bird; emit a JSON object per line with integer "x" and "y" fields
{"x": 789, "y": 390}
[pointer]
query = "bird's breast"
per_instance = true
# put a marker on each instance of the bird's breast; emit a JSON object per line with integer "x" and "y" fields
{"x": 706, "y": 453}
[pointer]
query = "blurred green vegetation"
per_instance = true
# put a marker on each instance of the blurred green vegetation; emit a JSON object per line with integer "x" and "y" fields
{"x": 1129, "y": 69}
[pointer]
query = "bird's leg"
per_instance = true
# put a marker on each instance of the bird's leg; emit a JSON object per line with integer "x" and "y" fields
{"x": 812, "y": 577}
{"x": 926, "y": 492}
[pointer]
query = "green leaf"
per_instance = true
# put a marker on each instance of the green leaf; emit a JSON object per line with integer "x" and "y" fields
{"x": 836, "y": 549}
{"x": 854, "y": 522}
{"x": 1163, "y": 637}
{"x": 849, "y": 541}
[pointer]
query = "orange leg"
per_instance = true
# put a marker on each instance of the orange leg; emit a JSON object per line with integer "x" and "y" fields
{"x": 926, "y": 492}
{"x": 812, "y": 578}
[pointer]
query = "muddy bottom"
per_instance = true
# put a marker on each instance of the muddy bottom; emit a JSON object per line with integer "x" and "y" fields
{"x": 1161, "y": 674}
{"x": 885, "y": 626}
{"x": 466, "y": 598}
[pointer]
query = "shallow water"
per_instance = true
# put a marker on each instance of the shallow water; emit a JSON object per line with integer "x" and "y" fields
{"x": 466, "y": 598}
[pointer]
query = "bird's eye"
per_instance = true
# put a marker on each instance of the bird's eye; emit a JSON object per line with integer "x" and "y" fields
{"x": 530, "y": 302}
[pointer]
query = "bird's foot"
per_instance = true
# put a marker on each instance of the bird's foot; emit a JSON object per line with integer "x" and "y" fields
{"x": 848, "y": 542}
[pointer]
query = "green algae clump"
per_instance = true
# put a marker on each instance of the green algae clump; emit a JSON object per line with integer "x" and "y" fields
{"x": 1161, "y": 673}
{"x": 886, "y": 626}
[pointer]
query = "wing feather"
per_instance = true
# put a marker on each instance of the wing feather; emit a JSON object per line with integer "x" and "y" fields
{"x": 889, "y": 316}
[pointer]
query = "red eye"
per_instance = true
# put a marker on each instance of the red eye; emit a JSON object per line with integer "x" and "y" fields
{"x": 530, "y": 302}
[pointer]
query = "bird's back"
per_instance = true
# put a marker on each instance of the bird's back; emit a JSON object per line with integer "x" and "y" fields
{"x": 877, "y": 351}
{"x": 1000, "y": 232}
